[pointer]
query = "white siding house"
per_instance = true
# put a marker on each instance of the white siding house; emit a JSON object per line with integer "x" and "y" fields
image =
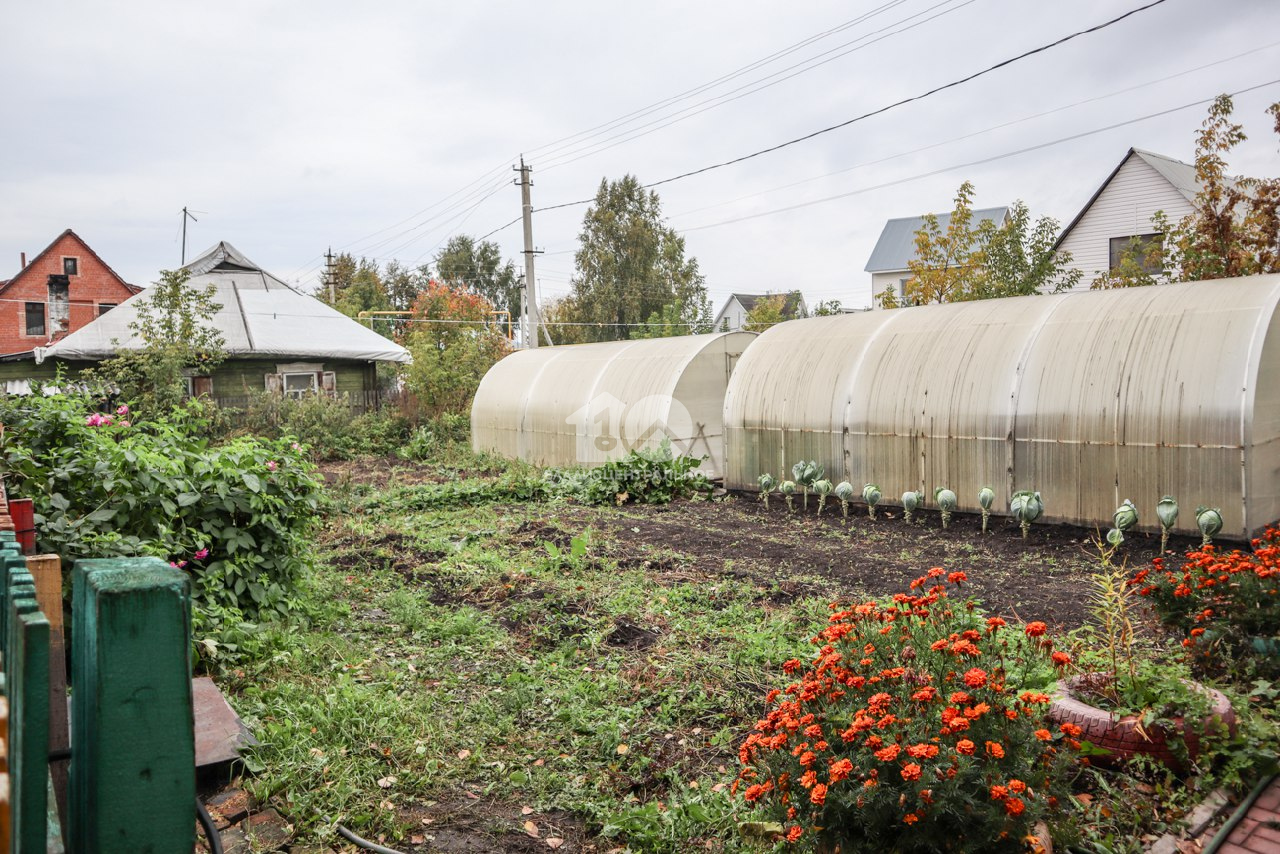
{"x": 897, "y": 246}
{"x": 1122, "y": 208}
{"x": 733, "y": 314}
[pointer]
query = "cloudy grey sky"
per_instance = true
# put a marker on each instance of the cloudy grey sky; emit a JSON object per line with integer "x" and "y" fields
{"x": 383, "y": 128}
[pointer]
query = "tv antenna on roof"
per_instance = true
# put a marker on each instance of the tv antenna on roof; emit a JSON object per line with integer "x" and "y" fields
{"x": 185, "y": 215}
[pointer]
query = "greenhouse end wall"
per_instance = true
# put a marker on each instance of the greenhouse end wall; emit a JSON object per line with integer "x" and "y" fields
{"x": 1088, "y": 398}
{"x": 586, "y": 404}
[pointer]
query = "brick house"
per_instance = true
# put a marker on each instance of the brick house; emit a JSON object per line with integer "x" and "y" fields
{"x": 63, "y": 288}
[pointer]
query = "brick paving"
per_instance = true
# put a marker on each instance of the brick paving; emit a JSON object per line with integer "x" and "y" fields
{"x": 1259, "y": 831}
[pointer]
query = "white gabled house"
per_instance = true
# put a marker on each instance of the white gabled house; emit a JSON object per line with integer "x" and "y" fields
{"x": 1122, "y": 209}
{"x": 732, "y": 316}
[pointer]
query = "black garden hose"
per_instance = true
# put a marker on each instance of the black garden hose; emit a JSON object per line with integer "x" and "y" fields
{"x": 364, "y": 843}
{"x": 210, "y": 832}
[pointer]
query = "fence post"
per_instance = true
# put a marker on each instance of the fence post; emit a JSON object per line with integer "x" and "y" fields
{"x": 27, "y": 678}
{"x": 47, "y": 572}
{"x": 132, "y": 735}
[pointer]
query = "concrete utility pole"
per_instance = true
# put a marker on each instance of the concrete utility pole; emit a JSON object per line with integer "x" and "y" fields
{"x": 329, "y": 278}
{"x": 532, "y": 316}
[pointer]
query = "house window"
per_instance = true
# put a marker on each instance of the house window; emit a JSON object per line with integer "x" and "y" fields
{"x": 59, "y": 304}
{"x": 104, "y": 307}
{"x": 299, "y": 385}
{"x": 1141, "y": 249}
{"x": 70, "y": 266}
{"x": 35, "y": 318}
{"x": 198, "y": 386}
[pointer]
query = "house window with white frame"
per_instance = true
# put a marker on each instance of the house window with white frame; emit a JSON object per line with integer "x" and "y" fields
{"x": 298, "y": 385}
{"x": 70, "y": 266}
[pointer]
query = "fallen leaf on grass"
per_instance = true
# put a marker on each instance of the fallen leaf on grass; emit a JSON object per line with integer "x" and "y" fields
{"x": 463, "y": 754}
{"x": 622, "y": 749}
{"x": 1085, "y": 800}
{"x": 532, "y": 829}
{"x": 554, "y": 842}
{"x": 386, "y": 782}
{"x": 526, "y": 810}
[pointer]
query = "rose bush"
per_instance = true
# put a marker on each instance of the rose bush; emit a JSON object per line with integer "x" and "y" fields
{"x": 919, "y": 726}
{"x": 236, "y": 516}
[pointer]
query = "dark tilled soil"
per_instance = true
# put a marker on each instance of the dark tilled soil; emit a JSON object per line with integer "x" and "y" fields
{"x": 793, "y": 555}
{"x": 472, "y": 824}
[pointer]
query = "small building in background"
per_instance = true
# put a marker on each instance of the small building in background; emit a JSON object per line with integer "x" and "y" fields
{"x": 1120, "y": 211}
{"x": 733, "y": 315}
{"x": 896, "y": 248}
{"x": 275, "y": 339}
{"x": 61, "y": 290}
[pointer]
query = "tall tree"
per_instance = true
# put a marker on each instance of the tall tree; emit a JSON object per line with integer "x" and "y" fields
{"x": 357, "y": 286}
{"x": 765, "y": 313}
{"x": 677, "y": 319}
{"x": 479, "y": 268}
{"x": 1234, "y": 225}
{"x": 630, "y": 264}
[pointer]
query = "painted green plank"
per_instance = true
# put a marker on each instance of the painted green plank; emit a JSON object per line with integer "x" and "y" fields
{"x": 132, "y": 733}
{"x": 28, "y": 681}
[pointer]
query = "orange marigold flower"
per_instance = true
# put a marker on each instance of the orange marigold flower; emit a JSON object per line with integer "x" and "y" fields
{"x": 999, "y": 793}
{"x": 1071, "y": 730}
{"x": 1197, "y": 632}
{"x": 1044, "y": 735}
{"x": 911, "y": 772}
{"x": 1061, "y": 659}
{"x": 794, "y": 834}
{"x": 995, "y": 750}
{"x": 976, "y": 677}
{"x": 889, "y": 753}
{"x": 808, "y": 758}
{"x": 1014, "y": 806}
{"x": 791, "y": 666}
{"x": 922, "y": 751}
{"x": 1017, "y": 786}
{"x": 960, "y": 698}
{"x": 841, "y": 770}
{"x": 910, "y": 818}
{"x": 994, "y": 623}
{"x": 965, "y": 746}
{"x": 819, "y": 794}
{"x": 1036, "y": 629}
{"x": 924, "y": 695}
{"x": 754, "y": 793}
{"x": 809, "y": 778}
{"x": 957, "y": 577}
{"x": 975, "y": 712}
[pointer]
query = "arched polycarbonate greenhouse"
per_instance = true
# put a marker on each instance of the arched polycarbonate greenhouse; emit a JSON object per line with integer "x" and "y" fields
{"x": 586, "y": 404}
{"x": 1089, "y": 398}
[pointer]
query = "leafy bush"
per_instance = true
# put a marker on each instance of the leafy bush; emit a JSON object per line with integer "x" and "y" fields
{"x": 917, "y": 728}
{"x": 645, "y": 476}
{"x": 237, "y": 516}
{"x": 1227, "y": 604}
{"x": 329, "y": 427}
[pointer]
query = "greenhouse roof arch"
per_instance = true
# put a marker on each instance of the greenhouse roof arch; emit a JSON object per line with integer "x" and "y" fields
{"x": 1088, "y": 398}
{"x": 586, "y": 404}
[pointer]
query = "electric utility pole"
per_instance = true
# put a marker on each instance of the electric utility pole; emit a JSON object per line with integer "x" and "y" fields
{"x": 329, "y": 277}
{"x": 532, "y": 317}
{"x": 185, "y": 215}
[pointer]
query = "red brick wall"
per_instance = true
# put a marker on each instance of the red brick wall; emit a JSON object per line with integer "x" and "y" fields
{"x": 94, "y": 283}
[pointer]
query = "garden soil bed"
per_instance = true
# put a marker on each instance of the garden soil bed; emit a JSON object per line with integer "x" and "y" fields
{"x": 790, "y": 556}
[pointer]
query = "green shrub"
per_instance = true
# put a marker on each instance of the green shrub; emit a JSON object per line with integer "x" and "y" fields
{"x": 645, "y": 476}
{"x": 237, "y": 516}
{"x": 328, "y": 426}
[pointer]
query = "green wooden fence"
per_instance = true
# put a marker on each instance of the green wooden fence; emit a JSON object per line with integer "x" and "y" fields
{"x": 132, "y": 776}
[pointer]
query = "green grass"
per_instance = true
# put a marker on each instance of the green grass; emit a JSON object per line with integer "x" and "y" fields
{"x": 508, "y": 671}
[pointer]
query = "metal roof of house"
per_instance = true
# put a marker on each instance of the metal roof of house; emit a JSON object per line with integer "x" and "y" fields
{"x": 897, "y": 243}
{"x": 792, "y": 301}
{"x": 259, "y": 316}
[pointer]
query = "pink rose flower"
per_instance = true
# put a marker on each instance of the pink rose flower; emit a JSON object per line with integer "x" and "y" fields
{"x": 271, "y": 465}
{"x": 122, "y": 409}
{"x": 202, "y": 554}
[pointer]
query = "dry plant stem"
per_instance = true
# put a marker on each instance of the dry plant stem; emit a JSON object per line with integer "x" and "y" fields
{"x": 1164, "y": 540}
{"x": 764, "y": 496}
{"x": 1026, "y": 530}
{"x": 986, "y": 514}
{"x": 946, "y": 519}
{"x": 871, "y": 510}
{"x": 791, "y": 508}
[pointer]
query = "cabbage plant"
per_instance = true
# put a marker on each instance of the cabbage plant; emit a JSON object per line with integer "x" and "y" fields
{"x": 1125, "y": 517}
{"x": 1209, "y": 521}
{"x": 986, "y": 497}
{"x": 806, "y": 474}
{"x": 1026, "y": 507}
{"x": 767, "y": 483}
{"x": 946, "y": 501}
{"x": 910, "y": 502}
{"x": 823, "y": 489}
{"x": 1167, "y": 513}
{"x": 871, "y": 495}
{"x": 844, "y": 491}
{"x": 1115, "y": 537}
{"x": 788, "y": 489}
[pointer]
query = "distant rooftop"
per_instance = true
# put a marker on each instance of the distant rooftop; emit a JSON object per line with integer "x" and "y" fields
{"x": 897, "y": 243}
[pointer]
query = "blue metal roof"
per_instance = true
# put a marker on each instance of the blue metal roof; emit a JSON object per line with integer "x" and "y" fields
{"x": 897, "y": 243}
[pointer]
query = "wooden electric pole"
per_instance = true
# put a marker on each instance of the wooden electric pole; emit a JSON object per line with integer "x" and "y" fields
{"x": 531, "y": 316}
{"x": 329, "y": 277}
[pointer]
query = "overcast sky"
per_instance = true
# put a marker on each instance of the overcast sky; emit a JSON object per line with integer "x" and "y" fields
{"x": 383, "y": 128}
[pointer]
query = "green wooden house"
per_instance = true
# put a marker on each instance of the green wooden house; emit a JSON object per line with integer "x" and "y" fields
{"x": 277, "y": 339}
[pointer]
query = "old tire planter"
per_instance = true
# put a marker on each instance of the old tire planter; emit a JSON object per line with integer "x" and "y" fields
{"x": 1121, "y": 735}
